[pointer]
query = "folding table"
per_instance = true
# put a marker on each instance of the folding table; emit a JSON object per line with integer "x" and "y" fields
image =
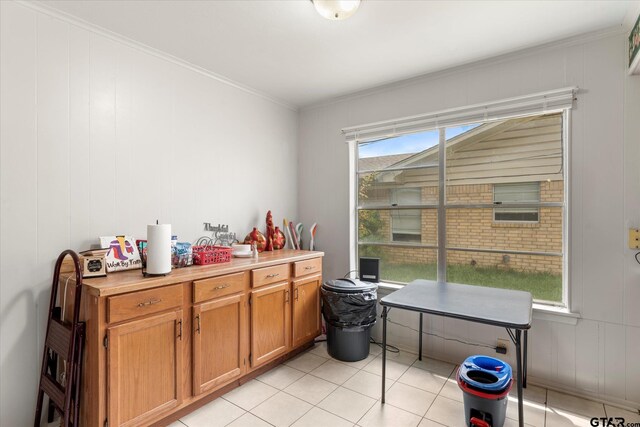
{"x": 498, "y": 307}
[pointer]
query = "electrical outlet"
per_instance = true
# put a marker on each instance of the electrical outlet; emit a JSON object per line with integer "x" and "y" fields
{"x": 502, "y": 344}
{"x": 634, "y": 238}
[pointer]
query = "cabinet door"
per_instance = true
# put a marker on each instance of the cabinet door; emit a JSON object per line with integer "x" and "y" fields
{"x": 270, "y": 322}
{"x": 306, "y": 309}
{"x": 144, "y": 363}
{"x": 219, "y": 341}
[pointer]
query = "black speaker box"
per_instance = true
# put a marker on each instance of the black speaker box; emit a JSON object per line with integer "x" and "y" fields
{"x": 370, "y": 269}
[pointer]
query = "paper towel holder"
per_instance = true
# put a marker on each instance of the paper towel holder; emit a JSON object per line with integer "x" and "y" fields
{"x": 145, "y": 274}
{"x": 144, "y": 263}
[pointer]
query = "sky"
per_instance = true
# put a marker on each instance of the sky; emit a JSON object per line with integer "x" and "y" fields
{"x": 408, "y": 144}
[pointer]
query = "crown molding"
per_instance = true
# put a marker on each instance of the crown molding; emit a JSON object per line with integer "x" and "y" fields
{"x": 42, "y": 7}
{"x": 522, "y": 53}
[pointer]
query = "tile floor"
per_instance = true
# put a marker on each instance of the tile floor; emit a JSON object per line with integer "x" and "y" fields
{"x": 314, "y": 390}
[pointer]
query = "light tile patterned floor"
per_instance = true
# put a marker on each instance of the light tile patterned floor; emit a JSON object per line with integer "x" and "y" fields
{"x": 314, "y": 390}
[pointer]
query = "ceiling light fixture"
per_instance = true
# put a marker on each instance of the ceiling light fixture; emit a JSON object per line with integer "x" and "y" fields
{"x": 336, "y": 10}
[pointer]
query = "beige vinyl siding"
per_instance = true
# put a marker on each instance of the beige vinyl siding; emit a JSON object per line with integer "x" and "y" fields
{"x": 516, "y": 150}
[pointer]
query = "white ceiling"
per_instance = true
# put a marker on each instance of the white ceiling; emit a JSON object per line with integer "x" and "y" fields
{"x": 287, "y": 51}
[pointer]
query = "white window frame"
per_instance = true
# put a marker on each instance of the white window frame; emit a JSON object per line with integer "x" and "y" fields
{"x": 497, "y": 209}
{"x": 562, "y": 103}
{"x": 395, "y": 200}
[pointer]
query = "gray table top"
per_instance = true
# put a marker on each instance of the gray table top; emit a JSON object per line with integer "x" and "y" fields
{"x": 492, "y": 306}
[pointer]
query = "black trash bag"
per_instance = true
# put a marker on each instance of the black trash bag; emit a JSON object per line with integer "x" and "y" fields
{"x": 349, "y": 309}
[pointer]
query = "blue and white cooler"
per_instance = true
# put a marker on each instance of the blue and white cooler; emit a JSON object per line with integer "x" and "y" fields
{"x": 485, "y": 383}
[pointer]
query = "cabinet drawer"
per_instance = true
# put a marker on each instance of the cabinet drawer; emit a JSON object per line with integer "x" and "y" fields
{"x": 268, "y": 275}
{"x": 302, "y": 268}
{"x": 219, "y": 286}
{"x": 129, "y": 306}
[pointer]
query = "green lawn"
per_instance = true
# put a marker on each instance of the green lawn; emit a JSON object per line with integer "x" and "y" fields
{"x": 543, "y": 286}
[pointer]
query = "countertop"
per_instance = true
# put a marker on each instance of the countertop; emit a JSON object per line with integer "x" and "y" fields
{"x": 133, "y": 280}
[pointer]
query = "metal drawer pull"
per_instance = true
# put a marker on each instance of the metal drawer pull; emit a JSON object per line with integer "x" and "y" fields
{"x": 180, "y": 329}
{"x": 150, "y": 302}
{"x": 221, "y": 287}
{"x": 198, "y": 323}
{"x": 309, "y": 267}
{"x": 273, "y": 275}
{"x": 286, "y": 296}
{"x": 296, "y": 294}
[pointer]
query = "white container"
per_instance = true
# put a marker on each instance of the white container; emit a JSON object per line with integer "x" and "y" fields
{"x": 241, "y": 248}
{"x": 158, "y": 249}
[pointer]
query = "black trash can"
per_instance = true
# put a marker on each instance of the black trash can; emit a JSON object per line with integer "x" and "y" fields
{"x": 485, "y": 382}
{"x": 349, "y": 308}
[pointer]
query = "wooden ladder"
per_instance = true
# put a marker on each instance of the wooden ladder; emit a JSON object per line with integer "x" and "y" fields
{"x": 64, "y": 341}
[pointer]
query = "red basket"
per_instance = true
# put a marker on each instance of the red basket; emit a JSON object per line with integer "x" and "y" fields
{"x": 203, "y": 255}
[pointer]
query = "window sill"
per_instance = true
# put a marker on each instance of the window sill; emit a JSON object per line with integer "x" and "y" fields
{"x": 514, "y": 224}
{"x": 540, "y": 311}
{"x": 555, "y": 314}
{"x": 387, "y": 288}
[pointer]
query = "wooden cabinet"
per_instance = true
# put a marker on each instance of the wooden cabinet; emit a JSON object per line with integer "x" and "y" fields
{"x": 156, "y": 347}
{"x": 306, "y": 309}
{"x": 270, "y": 322}
{"x": 269, "y": 275}
{"x": 307, "y": 267}
{"x": 220, "y": 286}
{"x": 144, "y": 368}
{"x": 137, "y": 304}
{"x": 219, "y": 342}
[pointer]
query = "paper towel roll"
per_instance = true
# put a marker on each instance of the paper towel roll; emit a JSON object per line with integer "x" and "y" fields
{"x": 159, "y": 249}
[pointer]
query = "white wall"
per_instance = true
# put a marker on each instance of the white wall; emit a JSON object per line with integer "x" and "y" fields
{"x": 100, "y": 138}
{"x": 599, "y": 355}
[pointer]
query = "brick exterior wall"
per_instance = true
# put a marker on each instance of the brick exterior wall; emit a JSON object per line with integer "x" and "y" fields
{"x": 475, "y": 228}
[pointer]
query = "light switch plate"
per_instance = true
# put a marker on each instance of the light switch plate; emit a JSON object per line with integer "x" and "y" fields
{"x": 634, "y": 238}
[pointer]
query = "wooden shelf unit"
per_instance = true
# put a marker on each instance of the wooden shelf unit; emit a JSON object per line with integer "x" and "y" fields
{"x": 158, "y": 348}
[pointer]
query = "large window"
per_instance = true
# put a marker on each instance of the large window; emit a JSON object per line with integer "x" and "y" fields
{"x": 480, "y": 203}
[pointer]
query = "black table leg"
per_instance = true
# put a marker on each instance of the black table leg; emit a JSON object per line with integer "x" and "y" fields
{"x": 524, "y": 359}
{"x": 420, "y": 340}
{"x": 520, "y": 377}
{"x": 384, "y": 349}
